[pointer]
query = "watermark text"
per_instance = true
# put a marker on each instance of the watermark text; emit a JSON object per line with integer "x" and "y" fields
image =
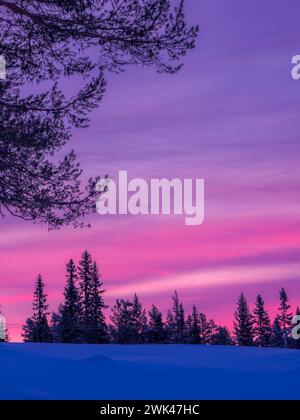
{"x": 157, "y": 197}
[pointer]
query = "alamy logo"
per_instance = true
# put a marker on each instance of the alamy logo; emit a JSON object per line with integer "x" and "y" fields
{"x": 157, "y": 197}
{"x": 296, "y": 68}
{"x": 2, "y": 68}
{"x": 296, "y": 329}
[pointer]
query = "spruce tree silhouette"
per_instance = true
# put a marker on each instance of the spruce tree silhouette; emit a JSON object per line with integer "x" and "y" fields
{"x": 37, "y": 328}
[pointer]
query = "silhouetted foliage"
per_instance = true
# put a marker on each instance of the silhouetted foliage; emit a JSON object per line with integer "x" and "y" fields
{"x": 277, "y": 334}
{"x": 139, "y": 321}
{"x": 85, "y": 270}
{"x": 169, "y": 326}
{"x": 28, "y": 331}
{"x": 285, "y": 317}
{"x": 211, "y": 331}
{"x": 243, "y": 325}
{"x": 155, "y": 332}
{"x": 121, "y": 316}
{"x": 177, "y": 327}
{"x": 193, "y": 327}
{"x": 204, "y": 329}
{"x": 46, "y": 42}
{"x": 99, "y": 328}
{"x": 81, "y": 319}
{"x": 222, "y": 337}
{"x": 262, "y": 328}
{"x": 129, "y": 322}
{"x": 93, "y": 324}
{"x": 56, "y": 326}
{"x": 71, "y": 311}
{"x": 37, "y": 328}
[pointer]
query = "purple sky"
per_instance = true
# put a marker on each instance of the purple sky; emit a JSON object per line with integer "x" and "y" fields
{"x": 230, "y": 116}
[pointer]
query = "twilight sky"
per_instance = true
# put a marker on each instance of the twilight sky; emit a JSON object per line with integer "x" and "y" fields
{"x": 230, "y": 116}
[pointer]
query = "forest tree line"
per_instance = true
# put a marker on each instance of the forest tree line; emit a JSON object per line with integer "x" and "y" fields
{"x": 81, "y": 319}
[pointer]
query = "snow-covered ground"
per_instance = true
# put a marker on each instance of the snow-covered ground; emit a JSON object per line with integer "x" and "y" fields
{"x": 60, "y": 371}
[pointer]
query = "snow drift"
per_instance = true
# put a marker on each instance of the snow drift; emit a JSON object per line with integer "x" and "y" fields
{"x": 61, "y": 371}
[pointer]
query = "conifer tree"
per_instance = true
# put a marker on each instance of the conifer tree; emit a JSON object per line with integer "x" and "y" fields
{"x": 179, "y": 333}
{"x": 176, "y": 311}
{"x": 222, "y": 337}
{"x": 193, "y": 327}
{"x": 170, "y": 327}
{"x": 285, "y": 317}
{"x": 40, "y": 308}
{"x": 243, "y": 325}
{"x": 37, "y": 328}
{"x": 181, "y": 325}
{"x": 211, "y": 331}
{"x": 204, "y": 329}
{"x": 262, "y": 328}
{"x": 71, "y": 311}
{"x": 99, "y": 330}
{"x": 277, "y": 339}
{"x": 86, "y": 281}
{"x": 155, "y": 330}
{"x": 28, "y": 332}
{"x": 56, "y": 326}
{"x": 139, "y": 321}
{"x": 121, "y": 317}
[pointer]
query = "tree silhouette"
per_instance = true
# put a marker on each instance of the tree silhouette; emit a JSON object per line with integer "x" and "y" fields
{"x": 222, "y": 337}
{"x": 155, "y": 332}
{"x": 44, "y": 42}
{"x": 285, "y": 316}
{"x": 86, "y": 281}
{"x": 204, "y": 329}
{"x": 193, "y": 327}
{"x": 99, "y": 332}
{"x": 37, "y": 328}
{"x": 139, "y": 320}
{"x": 71, "y": 311}
{"x": 243, "y": 325}
{"x": 277, "y": 334}
{"x": 176, "y": 321}
{"x": 121, "y": 316}
{"x": 262, "y": 329}
{"x": 169, "y": 326}
{"x": 81, "y": 318}
{"x": 56, "y": 326}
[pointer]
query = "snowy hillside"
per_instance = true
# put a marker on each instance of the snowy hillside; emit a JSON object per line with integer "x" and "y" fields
{"x": 53, "y": 371}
